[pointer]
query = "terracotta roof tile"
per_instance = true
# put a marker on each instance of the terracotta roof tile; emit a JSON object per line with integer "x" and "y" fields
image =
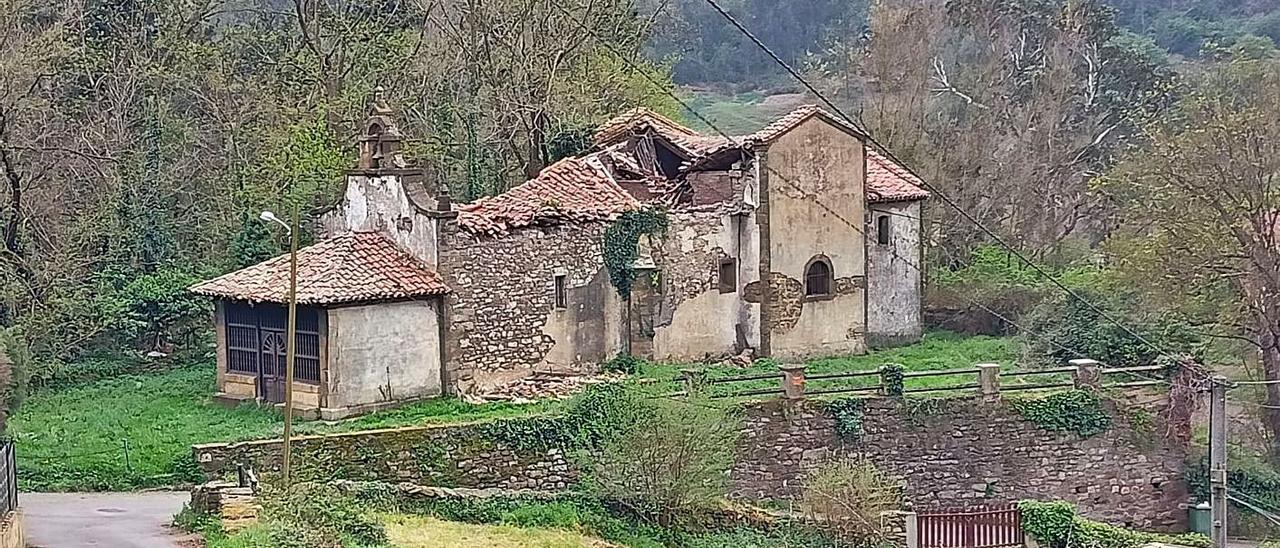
{"x": 573, "y": 189}
{"x": 890, "y": 182}
{"x": 620, "y": 127}
{"x": 790, "y": 120}
{"x": 354, "y": 267}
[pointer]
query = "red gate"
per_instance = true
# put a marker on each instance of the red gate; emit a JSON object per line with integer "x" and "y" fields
{"x": 978, "y": 527}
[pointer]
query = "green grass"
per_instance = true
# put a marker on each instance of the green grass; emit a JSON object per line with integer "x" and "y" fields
{"x": 75, "y": 439}
{"x": 938, "y": 350}
{"x": 735, "y": 114}
{"x": 589, "y": 517}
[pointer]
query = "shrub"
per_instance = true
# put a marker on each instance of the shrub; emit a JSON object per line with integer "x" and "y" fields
{"x": 310, "y": 515}
{"x": 1057, "y": 525}
{"x": 849, "y": 495}
{"x": 1251, "y": 478}
{"x": 995, "y": 279}
{"x": 151, "y": 311}
{"x": 624, "y": 363}
{"x": 1076, "y": 329}
{"x": 1077, "y": 411}
{"x": 674, "y": 460}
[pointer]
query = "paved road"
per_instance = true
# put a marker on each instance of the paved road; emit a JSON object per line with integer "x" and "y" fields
{"x": 115, "y": 520}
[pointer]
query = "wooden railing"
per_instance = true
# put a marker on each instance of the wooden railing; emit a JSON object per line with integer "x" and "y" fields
{"x": 792, "y": 380}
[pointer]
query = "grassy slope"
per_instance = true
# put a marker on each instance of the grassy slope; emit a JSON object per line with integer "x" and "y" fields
{"x": 938, "y": 350}
{"x": 736, "y": 114}
{"x": 426, "y": 532}
{"x": 73, "y": 439}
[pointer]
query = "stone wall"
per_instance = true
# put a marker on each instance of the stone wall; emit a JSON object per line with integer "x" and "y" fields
{"x": 380, "y": 354}
{"x": 970, "y": 454}
{"x": 502, "y": 320}
{"x": 696, "y": 319}
{"x": 448, "y": 456}
{"x": 967, "y": 454}
{"x": 813, "y": 206}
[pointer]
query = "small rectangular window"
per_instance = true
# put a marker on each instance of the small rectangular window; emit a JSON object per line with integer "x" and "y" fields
{"x": 562, "y": 299}
{"x": 882, "y": 230}
{"x": 728, "y": 275}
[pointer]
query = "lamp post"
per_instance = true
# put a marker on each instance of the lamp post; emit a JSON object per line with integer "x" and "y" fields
{"x": 290, "y": 335}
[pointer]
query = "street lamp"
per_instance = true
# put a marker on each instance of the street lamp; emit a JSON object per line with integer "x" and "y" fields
{"x": 290, "y": 334}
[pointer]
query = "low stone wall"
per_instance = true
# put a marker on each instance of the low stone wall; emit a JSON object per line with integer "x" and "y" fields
{"x": 11, "y": 531}
{"x": 970, "y": 453}
{"x": 448, "y": 456}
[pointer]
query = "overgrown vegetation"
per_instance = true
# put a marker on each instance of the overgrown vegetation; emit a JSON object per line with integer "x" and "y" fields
{"x": 1056, "y": 525}
{"x": 75, "y": 439}
{"x": 1253, "y": 480}
{"x": 848, "y": 496}
{"x": 676, "y": 458}
{"x": 606, "y": 520}
{"x": 308, "y": 515}
{"x": 1080, "y": 412}
{"x": 847, "y": 413}
{"x": 621, "y": 241}
{"x": 1067, "y": 328}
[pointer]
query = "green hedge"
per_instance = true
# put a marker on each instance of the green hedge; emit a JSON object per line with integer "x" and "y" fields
{"x": 1057, "y": 525}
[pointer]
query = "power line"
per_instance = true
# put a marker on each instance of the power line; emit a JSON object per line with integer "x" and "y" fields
{"x": 1273, "y": 518}
{"x": 946, "y": 199}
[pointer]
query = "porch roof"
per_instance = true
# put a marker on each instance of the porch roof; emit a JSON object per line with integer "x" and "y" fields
{"x": 350, "y": 268}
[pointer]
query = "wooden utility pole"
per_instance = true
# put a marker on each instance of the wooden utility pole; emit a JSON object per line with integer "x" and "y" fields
{"x": 1218, "y": 460}
{"x": 291, "y": 337}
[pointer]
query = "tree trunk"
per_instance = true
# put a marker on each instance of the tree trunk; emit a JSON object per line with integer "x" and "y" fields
{"x": 1265, "y": 301}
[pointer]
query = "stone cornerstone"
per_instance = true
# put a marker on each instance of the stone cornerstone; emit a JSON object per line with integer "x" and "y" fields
{"x": 967, "y": 453}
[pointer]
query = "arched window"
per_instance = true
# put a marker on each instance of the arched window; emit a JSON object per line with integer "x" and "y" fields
{"x": 818, "y": 277}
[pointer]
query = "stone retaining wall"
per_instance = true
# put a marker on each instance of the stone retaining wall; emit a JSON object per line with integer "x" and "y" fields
{"x": 969, "y": 452}
{"x": 447, "y": 456}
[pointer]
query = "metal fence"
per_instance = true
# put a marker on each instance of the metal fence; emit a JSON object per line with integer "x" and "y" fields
{"x": 8, "y": 477}
{"x": 979, "y": 527}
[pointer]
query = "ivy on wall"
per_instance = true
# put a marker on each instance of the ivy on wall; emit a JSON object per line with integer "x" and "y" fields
{"x": 620, "y": 242}
{"x": 848, "y": 416}
{"x": 1078, "y": 411}
{"x": 891, "y": 379}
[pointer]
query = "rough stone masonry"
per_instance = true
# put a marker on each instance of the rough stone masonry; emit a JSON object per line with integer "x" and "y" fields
{"x": 968, "y": 452}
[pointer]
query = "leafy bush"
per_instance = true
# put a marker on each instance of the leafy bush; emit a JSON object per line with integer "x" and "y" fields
{"x": 849, "y": 496}
{"x": 673, "y": 460}
{"x": 152, "y": 311}
{"x": 1251, "y": 478}
{"x": 1077, "y": 411}
{"x": 998, "y": 281}
{"x": 310, "y": 515}
{"x": 1056, "y": 524}
{"x": 1076, "y": 330}
{"x": 891, "y": 378}
{"x": 624, "y": 363}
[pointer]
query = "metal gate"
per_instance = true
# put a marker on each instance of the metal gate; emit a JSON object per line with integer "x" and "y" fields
{"x": 977, "y": 527}
{"x": 256, "y": 346}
